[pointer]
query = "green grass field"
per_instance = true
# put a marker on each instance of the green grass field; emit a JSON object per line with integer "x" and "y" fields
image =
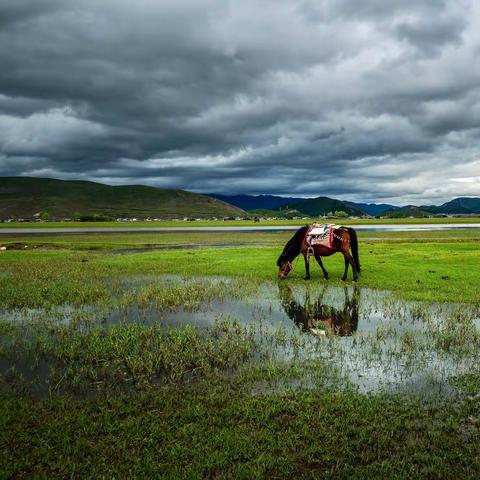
{"x": 245, "y": 223}
{"x": 234, "y": 420}
{"x": 435, "y": 266}
{"x": 116, "y": 240}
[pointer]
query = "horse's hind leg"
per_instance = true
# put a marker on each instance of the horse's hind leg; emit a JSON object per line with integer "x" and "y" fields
{"x": 307, "y": 266}
{"x": 345, "y": 273}
{"x": 318, "y": 258}
{"x": 354, "y": 267}
{"x": 350, "y": 261}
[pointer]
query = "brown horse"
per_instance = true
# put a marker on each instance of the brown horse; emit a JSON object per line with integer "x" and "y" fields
{"x": 344, "y": 240}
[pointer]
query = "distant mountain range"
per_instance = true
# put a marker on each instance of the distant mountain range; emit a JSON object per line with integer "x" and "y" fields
{"x": 23, "y": 197}
{"x": 461, "y": 205}
{"x": 274, "y": 202}
{"x": 323, "y": 205}
{"x": 457, "y": 205}
{"x": 257, "y": 202}
{"x": 281, "y": 206}
{"x": 374, "y": 208}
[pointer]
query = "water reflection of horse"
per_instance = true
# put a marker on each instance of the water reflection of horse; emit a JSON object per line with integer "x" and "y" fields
{"x": 318, "y": 318}
{"x": 344, "y": 241}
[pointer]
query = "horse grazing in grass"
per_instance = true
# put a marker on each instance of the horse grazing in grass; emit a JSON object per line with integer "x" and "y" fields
{"x": 344, "y": 239}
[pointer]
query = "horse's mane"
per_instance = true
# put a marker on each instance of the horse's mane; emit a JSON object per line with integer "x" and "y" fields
{"x": 293, "y": 246}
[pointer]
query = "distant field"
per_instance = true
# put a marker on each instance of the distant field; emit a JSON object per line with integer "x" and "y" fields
{"x": 137, "y": 240}
{"x": 246, "y": 223}
{"x": 409, "y": 263}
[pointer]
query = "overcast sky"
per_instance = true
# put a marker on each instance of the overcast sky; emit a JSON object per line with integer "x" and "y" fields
{"x": 369, "y": 100}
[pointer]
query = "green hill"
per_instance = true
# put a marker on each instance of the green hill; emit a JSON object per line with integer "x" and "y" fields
{"x": 322, "y": 205}
{"x": 465, "y": 205}
{"x": 22, "y": 197}
{"x": 265, "y": 212}
{"x": 406, "y": 212}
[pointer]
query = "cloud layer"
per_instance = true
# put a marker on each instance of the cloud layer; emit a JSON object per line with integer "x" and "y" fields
{"x": 370, "y": 101}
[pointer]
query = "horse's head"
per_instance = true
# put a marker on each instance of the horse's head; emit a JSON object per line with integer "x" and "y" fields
{"x": 290, "y": 252}
{"x": 284, "y": 267}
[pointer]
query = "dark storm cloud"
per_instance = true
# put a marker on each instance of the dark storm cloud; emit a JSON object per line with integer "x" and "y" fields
{"x": 362, "y": 100}
{"x": 13, "y": 11}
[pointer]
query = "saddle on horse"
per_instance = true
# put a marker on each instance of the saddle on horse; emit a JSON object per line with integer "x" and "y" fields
{"x": 320, "y": 235}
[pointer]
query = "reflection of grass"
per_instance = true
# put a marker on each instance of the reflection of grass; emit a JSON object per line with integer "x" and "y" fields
{"x": 130, "y": 355}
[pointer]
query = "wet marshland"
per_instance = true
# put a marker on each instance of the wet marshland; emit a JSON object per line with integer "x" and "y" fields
{"x": 161, "y": 329}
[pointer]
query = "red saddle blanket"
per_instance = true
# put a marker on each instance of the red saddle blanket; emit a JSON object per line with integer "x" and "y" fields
{"x": 321, "y": 235}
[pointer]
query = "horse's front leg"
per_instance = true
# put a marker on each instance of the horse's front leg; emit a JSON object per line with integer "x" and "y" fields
{"x": 318, "y": 258}
{"x": 307, "y": 266}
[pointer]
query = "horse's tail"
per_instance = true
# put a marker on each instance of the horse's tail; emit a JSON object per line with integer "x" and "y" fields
{"x": 354, "y": 246}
